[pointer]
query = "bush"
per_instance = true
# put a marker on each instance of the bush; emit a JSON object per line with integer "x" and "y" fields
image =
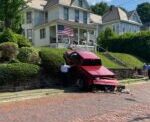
{"x": 17, "y": 72}
{"x": 52, "y": 59}
{"x": 29, "y": 55}
{"x": 22, "y": 41}
{"x": 133, "y": 43}
{"x": 8, "y": 50}
{"x": 9, "y": 36}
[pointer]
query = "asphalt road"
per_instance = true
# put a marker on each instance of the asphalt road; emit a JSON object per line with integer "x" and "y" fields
{"x": 82, "y": 107}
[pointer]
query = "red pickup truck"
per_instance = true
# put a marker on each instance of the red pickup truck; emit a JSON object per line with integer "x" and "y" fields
{"x": 87, "y": 71}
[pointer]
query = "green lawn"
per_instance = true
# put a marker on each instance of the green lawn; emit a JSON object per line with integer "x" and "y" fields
{"x": 130, "y": 60}
{"x": 107, "y": 62}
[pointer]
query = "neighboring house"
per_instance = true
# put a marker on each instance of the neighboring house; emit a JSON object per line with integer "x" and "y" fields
{"x": 121, "y": 21}
{"x": 59, "y": 23}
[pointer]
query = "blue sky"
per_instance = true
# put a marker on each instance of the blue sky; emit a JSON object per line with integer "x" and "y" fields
{"x": 128, "y": 4}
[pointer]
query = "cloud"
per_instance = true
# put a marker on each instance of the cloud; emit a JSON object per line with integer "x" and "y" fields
{"x": 95, "y": 1}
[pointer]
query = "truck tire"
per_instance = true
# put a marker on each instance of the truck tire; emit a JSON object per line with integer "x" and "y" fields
{"x": 82, "y": 85}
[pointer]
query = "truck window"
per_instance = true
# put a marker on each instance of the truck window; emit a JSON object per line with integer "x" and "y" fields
{"x": 88, "y": 62}
{"x": 75, "y": 58}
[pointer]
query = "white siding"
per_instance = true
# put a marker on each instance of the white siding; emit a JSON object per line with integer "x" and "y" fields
{"x": 53, "y": 14}
{"x": 122, "y": 27}
{"x": 39, "y": 17}
{"x": 71, "y": 14}
{"x": 41, "y": 42}
{"x": 61, "y": 12}
{"x": 76, "y": 3}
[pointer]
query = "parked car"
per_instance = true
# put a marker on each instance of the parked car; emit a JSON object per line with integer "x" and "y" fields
{"x": 88, "y": 71}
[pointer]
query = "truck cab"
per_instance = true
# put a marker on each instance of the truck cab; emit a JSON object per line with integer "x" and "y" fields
{"x": 88, "y": 71}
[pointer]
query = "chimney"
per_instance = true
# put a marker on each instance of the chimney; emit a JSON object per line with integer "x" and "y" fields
{"x": 112, "y": 7}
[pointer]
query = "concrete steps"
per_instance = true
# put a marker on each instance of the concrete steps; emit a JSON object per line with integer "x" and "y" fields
{"x": 114, "y": 59}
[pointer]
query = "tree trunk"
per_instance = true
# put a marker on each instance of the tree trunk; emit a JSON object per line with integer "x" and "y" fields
{"x": 7, "y": 23}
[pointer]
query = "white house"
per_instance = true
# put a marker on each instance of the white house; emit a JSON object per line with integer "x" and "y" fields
{"x": 59, "y": 23}
{"x": 121, "y": 21}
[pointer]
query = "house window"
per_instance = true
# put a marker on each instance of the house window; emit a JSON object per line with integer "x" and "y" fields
{"x": 46, "y": 16}
{"x": 76, "y": 15}
{"x": 42, "y": 33}
{"x": 29, "y": 17}
{"x": 23, "y": 32}
{"x": 66, "y": 13}
{"x": 114, "y": 28}
{"x": 80, "y": 3}
{"x": 29, "y": 34}
{"x": 85, "y": 17}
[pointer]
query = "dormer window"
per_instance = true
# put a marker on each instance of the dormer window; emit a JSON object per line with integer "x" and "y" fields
{"x": 80, "y": 3}
{"x": 29, "y": 17}
{"x": 76, "y": 15}
{"x": 46, "y": 16}
{"x": 66, "y": 13}
{"x": 85, "y": 17}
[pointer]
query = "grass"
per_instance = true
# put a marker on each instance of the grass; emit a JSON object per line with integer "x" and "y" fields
{"x": 132, "y": 81}
{"x": 130, "y": 60}
{"x": 107, "y": 62}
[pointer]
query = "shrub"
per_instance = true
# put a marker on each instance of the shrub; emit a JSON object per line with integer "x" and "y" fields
{"x": 133, "y": 43}
{"x": 29, "y": 55}
{"x": 14, "y": 61}
{"x": 17, "y": 72}
{"x": 8, "y": 36}
{"x": 8, "y": 50}
{"x": 52, "y": 59}
{"x": 22, "y": 41}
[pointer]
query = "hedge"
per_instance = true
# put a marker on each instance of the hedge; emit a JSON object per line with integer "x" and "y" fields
{"x": 29, "y": 55}
{"x": 133, "y": 43}
{"x": 51, "y": 59}
{"x": 8, "y": 51}
{"x": 17, "y": 72}
{"x": 9, "y": 36}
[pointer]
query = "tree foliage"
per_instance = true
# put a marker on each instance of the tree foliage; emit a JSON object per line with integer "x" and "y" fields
{"x": 10, "y": 13}
{"x": 133, "y": 43}
{"x": 100, "y": 8}
{"x": 144, "y": 11}
{"x": 104, "y": 36}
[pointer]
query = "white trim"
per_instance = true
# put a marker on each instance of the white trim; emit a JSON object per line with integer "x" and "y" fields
{"x": 129, "y": 21}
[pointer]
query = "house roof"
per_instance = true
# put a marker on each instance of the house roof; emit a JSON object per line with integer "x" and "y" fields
{"x": 95, "y": 18}
{"x": 62, "y": 2}
{"x": 114, "y": 13}
{"x": 37, "y": 4}
{"x": 130, "y": 13}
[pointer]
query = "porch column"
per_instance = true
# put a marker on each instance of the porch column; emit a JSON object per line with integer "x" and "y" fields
{"x": 57, "y": 35}
{"x": 78, "y": 36}
{"x": 88, "y": 37}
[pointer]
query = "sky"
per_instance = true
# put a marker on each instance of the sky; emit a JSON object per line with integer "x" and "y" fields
{"x": 127, "y": 4}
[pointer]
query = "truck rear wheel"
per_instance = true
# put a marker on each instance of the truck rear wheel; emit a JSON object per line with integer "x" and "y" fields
{"x": 82, "y": 85}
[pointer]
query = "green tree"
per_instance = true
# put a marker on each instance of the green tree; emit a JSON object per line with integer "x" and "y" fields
{"x": 144, "y": 11}
{"x": 10, "y": 13}
{"x": 100, "y": 8}
{"x": 105, "y": 36}
{"x": 108, "y": 33}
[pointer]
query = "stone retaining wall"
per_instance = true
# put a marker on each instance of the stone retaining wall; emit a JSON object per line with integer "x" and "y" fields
{"x": 127, "y": 73}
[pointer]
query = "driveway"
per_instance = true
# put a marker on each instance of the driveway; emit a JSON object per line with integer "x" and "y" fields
{"x": 82, "y": 107}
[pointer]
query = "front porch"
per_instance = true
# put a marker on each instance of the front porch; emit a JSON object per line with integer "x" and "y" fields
{"x": 63, "y": 35}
